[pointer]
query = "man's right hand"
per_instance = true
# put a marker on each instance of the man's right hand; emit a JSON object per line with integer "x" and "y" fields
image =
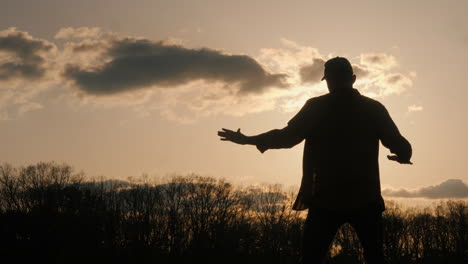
{"x": 234, "y": 136}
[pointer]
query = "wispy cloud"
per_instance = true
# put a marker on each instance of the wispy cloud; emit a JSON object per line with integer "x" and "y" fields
{"x": 415, "y": 108}
{"x": 378, "y": 60}
{"x": 80, "y": 32}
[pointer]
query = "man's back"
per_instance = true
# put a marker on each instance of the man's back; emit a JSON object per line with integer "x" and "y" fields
{"x": 340, "y": 166}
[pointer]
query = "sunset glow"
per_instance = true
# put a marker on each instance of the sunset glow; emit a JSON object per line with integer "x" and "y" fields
{"x": 121, "y": 89}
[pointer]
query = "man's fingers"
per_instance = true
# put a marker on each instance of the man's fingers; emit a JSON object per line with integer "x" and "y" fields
{"x": 225, "y": 133}
{"x": 397, "y": 159}
{"x": 229, "y": 135}
{"x": 231, "y": 131}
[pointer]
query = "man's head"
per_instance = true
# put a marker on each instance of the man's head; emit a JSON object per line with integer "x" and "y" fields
{"x": 339, "y": 74}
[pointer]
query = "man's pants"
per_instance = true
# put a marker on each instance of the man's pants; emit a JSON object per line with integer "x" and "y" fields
{"x": 321, "y": 226}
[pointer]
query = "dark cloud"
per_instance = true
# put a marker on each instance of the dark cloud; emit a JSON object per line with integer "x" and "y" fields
{"x": 360, "y": 72}
{"x": 85, "y": 46}
{"x": 452, "y": 188}
{"x": 394, "y": 78}
{"x": 22, "y": 56}
{"x": 312, "y": 73}
{"x": 380, "y": 60}
{"x": 139, "y": 63}
{"x": 375, "y": 59}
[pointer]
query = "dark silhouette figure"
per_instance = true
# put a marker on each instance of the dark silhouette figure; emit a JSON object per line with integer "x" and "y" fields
{"x": 340, "y": 181}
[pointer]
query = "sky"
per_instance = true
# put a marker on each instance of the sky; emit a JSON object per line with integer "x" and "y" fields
{"x": 125, "y": 88}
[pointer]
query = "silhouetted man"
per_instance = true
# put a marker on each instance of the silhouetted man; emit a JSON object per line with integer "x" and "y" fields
{"x": 340, "y": 181}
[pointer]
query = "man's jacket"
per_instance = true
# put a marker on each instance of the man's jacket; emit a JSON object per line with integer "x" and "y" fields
{"x": 340, "y": 163}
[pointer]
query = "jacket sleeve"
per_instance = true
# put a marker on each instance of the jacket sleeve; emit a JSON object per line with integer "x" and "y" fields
{"x": 288, "y": 136}
{"x": 390, "y": 136}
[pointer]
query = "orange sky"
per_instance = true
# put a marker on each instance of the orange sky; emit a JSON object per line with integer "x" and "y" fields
{"x": 413, "y": 54}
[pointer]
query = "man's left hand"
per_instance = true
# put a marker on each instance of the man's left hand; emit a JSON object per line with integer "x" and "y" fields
{"x": 234, "y": 136}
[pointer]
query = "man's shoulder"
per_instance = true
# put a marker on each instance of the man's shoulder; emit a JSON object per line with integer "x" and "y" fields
{"x": 317, "y": 99}
{"x": 370, "y": 100}
{"x": 363, "y": 99}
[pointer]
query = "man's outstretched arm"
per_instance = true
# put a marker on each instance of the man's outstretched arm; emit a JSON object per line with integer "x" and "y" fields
{"x": 273, "y": 139}
{"x": 286, "y": 137}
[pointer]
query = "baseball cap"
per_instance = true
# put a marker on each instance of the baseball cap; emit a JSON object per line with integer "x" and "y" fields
{"x": 337, "y": 67}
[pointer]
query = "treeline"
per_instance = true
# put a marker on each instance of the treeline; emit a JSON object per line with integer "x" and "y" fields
{"x": 49, "y": 212}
